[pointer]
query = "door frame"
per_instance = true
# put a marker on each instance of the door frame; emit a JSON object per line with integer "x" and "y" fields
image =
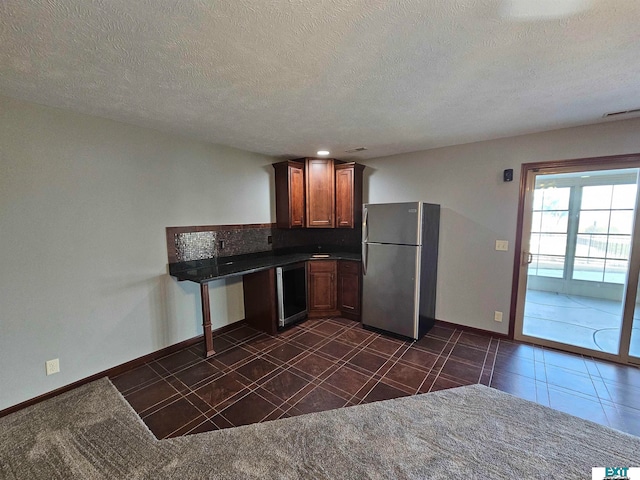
{"x": 628, "y": 161}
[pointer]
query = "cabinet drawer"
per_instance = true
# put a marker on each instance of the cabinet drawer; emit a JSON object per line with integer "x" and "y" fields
{"x": 348, "y": 266}
{"x": 317, "y": 266}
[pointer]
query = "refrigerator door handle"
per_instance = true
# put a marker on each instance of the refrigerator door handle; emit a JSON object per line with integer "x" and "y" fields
{"x": 365, "y": 225}
{"x": 365, "y": 238}
{"x": 365, "y": 251}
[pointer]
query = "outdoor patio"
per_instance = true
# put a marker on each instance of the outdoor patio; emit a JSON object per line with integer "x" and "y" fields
{"x": 581, "y": 321}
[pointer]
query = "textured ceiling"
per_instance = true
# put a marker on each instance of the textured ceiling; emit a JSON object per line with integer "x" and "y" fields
{"x": 286, "y": 77}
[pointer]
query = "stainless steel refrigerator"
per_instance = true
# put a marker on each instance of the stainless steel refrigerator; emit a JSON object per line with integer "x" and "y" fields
{"x": 399, "y": 266}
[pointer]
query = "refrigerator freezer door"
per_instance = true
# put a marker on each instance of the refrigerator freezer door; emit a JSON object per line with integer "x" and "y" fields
{"x": 390, "y": 293}
{"x": 398, "y": 223}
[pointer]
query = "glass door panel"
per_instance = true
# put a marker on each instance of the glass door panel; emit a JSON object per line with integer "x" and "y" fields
{"x": 634, "y": 329}
{"x": 577, "y": 253}
{"x": 548, "y": 241}
{"x": 634, "y": 346}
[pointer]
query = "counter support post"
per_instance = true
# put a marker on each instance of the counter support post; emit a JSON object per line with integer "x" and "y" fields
{"x": 206, "y": 320}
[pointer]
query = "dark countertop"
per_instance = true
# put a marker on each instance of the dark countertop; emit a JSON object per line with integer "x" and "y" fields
{"x": 208, "y": 270}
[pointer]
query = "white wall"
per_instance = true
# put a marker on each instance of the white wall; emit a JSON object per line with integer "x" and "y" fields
{"x": 84, "y": 203}
{"x": 474, "y": 280}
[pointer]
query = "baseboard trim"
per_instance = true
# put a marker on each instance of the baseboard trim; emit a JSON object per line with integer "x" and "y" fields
{"x": 474, "y": 330}
{"x": 117, "y": 370}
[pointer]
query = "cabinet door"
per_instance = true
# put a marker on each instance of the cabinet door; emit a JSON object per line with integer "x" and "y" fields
{"x": 349, "y": 289}
{"x": 289, "y": 177}
{"x": 260, "y": 309}
{"x": 344, "y": 197}
{"x": 296, "y": 196}
{"x": 320, "y": 193}
{"x": 348, "y": 195}
{"x": 322, "y": 287}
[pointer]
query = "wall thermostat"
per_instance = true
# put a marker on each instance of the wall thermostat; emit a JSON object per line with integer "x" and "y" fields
{"x": 507, "y": 175}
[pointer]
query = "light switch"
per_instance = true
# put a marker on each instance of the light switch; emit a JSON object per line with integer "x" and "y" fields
{"x": 502, "y": 245}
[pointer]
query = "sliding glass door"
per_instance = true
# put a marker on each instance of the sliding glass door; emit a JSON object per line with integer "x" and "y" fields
{"x": 578, "y": 278}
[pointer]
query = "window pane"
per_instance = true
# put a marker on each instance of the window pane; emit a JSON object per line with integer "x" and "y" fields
{"x": 534, "y": 243}
{"x": 619, "y": 247}
{"x": 549, "y": 266}
{"x": 593, "y": 222}
{"x": 591, "y": 246}
{"x": 583, "y": 245}
{"x": 556, "y": 198}
{"x": 553, "y": 244}
{"x": 533, "y": 266}
{"x": 536, "y": 221}
{"x": 588, "y": 269}
{"x": 621, "y": 222}
{"x": 616, "y": 271}
{"x": 596, "y": 197}
{"x": 538, "y": 193}
{"x": 624, "y": 196}
{"x": 554, "y": 222}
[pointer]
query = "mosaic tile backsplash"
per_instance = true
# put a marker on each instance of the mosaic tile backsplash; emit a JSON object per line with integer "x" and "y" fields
{"x": 195, "y": 246}
{"x": 201, "y": 244}
{"x": 243, "y": 241}
{"x": 220, "y": 241}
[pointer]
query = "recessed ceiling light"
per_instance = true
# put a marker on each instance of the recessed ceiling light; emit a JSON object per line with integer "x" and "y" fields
{"x": 323, "y": 152}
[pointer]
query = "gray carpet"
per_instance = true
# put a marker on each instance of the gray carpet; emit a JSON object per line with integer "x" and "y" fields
{"x": 467, "y": 432}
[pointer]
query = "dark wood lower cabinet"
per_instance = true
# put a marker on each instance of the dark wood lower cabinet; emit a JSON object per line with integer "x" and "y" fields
{"x": 260, "y": 307}
{"x": 321, "y": 285}
{"x": 349, "y": 289}
{"x": 333, "y": 288}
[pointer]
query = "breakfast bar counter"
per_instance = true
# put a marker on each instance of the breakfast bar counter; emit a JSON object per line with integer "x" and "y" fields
{"x": 211, "y": 269}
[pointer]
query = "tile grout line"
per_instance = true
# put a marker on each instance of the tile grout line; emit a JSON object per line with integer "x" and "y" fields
{"x": 495, "y": 357}
{"x": 442, "y": 366}
{"x": 484, "y": 363}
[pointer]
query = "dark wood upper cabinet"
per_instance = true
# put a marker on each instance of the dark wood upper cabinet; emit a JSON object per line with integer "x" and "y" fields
{"x": 289, "y": 194}
{"x": 320, "y": 192}
{"x": 348, "y": 195}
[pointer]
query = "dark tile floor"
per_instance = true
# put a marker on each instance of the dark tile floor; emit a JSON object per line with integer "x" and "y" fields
{"x": 332, "y": 363}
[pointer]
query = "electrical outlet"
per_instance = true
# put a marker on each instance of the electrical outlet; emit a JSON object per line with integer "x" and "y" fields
{"x": 497, "y": 316}
{"x": 502, "y": 245}
{"x": 52, "y": 366}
